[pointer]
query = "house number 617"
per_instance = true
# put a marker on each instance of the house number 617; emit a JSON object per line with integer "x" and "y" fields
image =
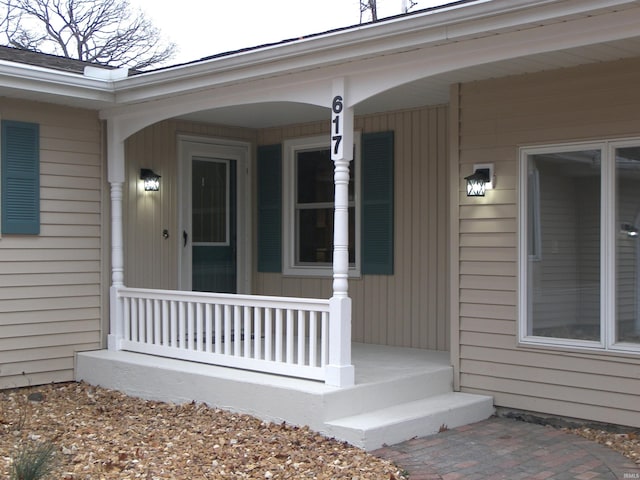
{"x": 337, "y": 106}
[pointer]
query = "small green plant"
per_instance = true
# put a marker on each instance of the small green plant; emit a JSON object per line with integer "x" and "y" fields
{"x": 33, "y": 461}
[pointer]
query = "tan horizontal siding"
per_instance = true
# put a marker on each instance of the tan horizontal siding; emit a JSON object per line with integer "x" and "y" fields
{"x": 37, "y": 378}
{"x": 499, "y": 116}
{"x": 51, "y": 287}
{"x": 61, "y": 315}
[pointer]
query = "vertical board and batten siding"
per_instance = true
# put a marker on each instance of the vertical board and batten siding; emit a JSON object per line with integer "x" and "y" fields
{"x": 51, "y": 286}
{"x": 496, "y": 118}
{"x": 410, "y": 307}
{"x": 151, "y": 261}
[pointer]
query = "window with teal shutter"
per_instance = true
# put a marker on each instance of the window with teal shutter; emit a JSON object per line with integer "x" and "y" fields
{"x": 377, "y": 228}
{"x": 270, "y": 208}
{"x": 20, "y": 178}
{"x": 377, "y": 203}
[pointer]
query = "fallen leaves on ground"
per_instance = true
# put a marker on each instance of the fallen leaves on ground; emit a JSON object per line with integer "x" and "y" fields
{"x": 627, "y": 444}
{"x": 104, "y": 434}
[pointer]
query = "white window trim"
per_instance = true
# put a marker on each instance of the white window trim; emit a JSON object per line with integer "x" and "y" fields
{"x": 607, "y": 249}
{"x": 288, "y": 207}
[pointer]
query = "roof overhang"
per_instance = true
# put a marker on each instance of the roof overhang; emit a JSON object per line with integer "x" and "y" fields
{"x": 215, "y": 89}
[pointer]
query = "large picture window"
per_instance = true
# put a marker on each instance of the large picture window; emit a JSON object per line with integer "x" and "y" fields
{"x": 579, "y": 245}
{"x": 309, "y": 208}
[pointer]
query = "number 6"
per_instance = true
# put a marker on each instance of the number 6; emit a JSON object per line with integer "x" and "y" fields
{"x": 337, "y": 104}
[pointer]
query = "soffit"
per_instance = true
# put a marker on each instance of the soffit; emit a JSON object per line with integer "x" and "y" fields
{"x": 433, "y": 90}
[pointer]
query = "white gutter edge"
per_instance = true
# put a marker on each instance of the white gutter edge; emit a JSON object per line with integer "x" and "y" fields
{"x": 22, "y": 76}
{"x": 106, "y": 74}
{"x": 341, "y": 45}
{"x": 441, "y": 22}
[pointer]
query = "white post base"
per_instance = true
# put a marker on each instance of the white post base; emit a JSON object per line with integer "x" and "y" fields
{"x": 340, "y": 375}
{"x": 116, "y": 320}
{"x": 339, "y": 371}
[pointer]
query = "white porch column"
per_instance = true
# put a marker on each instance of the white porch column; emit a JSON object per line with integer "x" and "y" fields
{"x": 340, "y": 371}
{"x": 115, "y": 167}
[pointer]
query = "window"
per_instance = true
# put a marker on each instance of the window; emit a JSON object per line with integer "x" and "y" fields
{"x": 309, "y": 207}
{"x": 579, "y": 244}
{"x": 372, "y": 218}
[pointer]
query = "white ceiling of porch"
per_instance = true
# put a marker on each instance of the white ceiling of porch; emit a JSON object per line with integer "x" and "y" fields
{"x": 433, "y": 90}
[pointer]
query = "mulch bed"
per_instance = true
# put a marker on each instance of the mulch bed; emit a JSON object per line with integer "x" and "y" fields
{"x": 104, "y": 434}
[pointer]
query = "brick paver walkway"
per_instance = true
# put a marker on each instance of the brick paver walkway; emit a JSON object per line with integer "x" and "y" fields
{"x": 501, "y": 448}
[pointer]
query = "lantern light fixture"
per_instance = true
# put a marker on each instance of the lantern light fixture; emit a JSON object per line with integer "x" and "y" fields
{"x": 629, "y": 230}
{"x": 150, "y": 179}
{"x": 480, "y": 180}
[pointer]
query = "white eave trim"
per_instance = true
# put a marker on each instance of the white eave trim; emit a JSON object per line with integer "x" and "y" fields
{"x": 387, "y": 36}
{"x": 31, "y": 78}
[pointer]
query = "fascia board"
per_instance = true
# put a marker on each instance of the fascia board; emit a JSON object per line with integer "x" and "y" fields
{"x": 29, "y": 78}
{"x": 395, "y": 35}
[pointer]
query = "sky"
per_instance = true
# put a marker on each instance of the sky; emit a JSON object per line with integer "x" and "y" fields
{"x": 205, "y": 27}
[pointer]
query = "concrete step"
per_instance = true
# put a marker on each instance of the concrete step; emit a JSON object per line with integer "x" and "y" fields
{"x": 417, "y": 418}
{"x": 429, "y": 381}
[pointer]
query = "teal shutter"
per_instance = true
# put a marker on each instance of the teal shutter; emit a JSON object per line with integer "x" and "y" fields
{"x": 20, "y": 178}
{"x": 270, "y": 208}
{"x": 377, "y": 203}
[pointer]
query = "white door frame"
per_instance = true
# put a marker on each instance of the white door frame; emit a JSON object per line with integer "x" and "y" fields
{"x": 188, "y": 147}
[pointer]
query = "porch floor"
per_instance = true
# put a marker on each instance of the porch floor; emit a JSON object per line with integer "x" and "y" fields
{"x": 399, "y": 393}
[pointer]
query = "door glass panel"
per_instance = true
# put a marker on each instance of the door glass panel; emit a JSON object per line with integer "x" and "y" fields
{"x": 627, "y": 244}
{"x": 210, "y": 212}
{"x": 214, "y": 225}
{"x": 564, "y": 245}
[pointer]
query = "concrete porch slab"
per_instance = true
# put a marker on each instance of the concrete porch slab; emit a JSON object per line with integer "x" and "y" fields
{"x": 387, "y": 378}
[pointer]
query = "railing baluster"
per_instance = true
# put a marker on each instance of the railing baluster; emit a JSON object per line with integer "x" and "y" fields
{"x": 156, "y": 322}
{"x": 218, "y": 328}
{"x": 279, "y": 335}
{"x": 257, "y": 332}
{"x": 127, "y": 318}
{"x": 139, "y": 330}
{"x": 190, "y": 326}
{"x": 199, "y": 334}
{"x": 227, "y": 330}
{"x": 268, "y": 334}
{"x": 301, "y": 337}
{"x": 164, "y": 319}
{"x": 208, "y": 320}
{"x": 237, "y": 330}
{"x": 313, "y": 339}
{"x": 182, "y": 325}
{"x": 246, "y": 331}
{"x": 148, "y": 323}
{"x": 324, "y": 340}
{"x": 290, "y": 335}
{"x": 173, "y": 327}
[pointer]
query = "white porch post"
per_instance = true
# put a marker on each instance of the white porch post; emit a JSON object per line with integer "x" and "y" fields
{"x": 340, "y": 371}
{"x": 115, "y": 167}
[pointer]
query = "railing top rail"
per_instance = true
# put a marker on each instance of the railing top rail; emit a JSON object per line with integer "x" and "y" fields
{"x": 264, "y": 301}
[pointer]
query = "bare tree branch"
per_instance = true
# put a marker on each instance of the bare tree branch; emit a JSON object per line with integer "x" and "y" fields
{"x": 105, "y": 32}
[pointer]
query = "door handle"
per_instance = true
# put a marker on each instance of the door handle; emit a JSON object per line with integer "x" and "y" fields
{"x": 185, "y": 238}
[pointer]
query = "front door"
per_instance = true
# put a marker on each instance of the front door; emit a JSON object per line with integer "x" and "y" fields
{"x": 210, "y": 224}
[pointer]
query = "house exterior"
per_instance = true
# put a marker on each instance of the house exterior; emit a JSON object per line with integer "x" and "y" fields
{"x": 532, "y": 289}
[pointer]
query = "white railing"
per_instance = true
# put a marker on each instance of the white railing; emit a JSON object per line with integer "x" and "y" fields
{"x": 286, "y": 336}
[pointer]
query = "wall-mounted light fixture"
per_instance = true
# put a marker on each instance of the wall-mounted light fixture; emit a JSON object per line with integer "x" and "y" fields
{"x": 629, "y": 230}
{"x": 480, "y": 180}
{"x": 151, "y": 180}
